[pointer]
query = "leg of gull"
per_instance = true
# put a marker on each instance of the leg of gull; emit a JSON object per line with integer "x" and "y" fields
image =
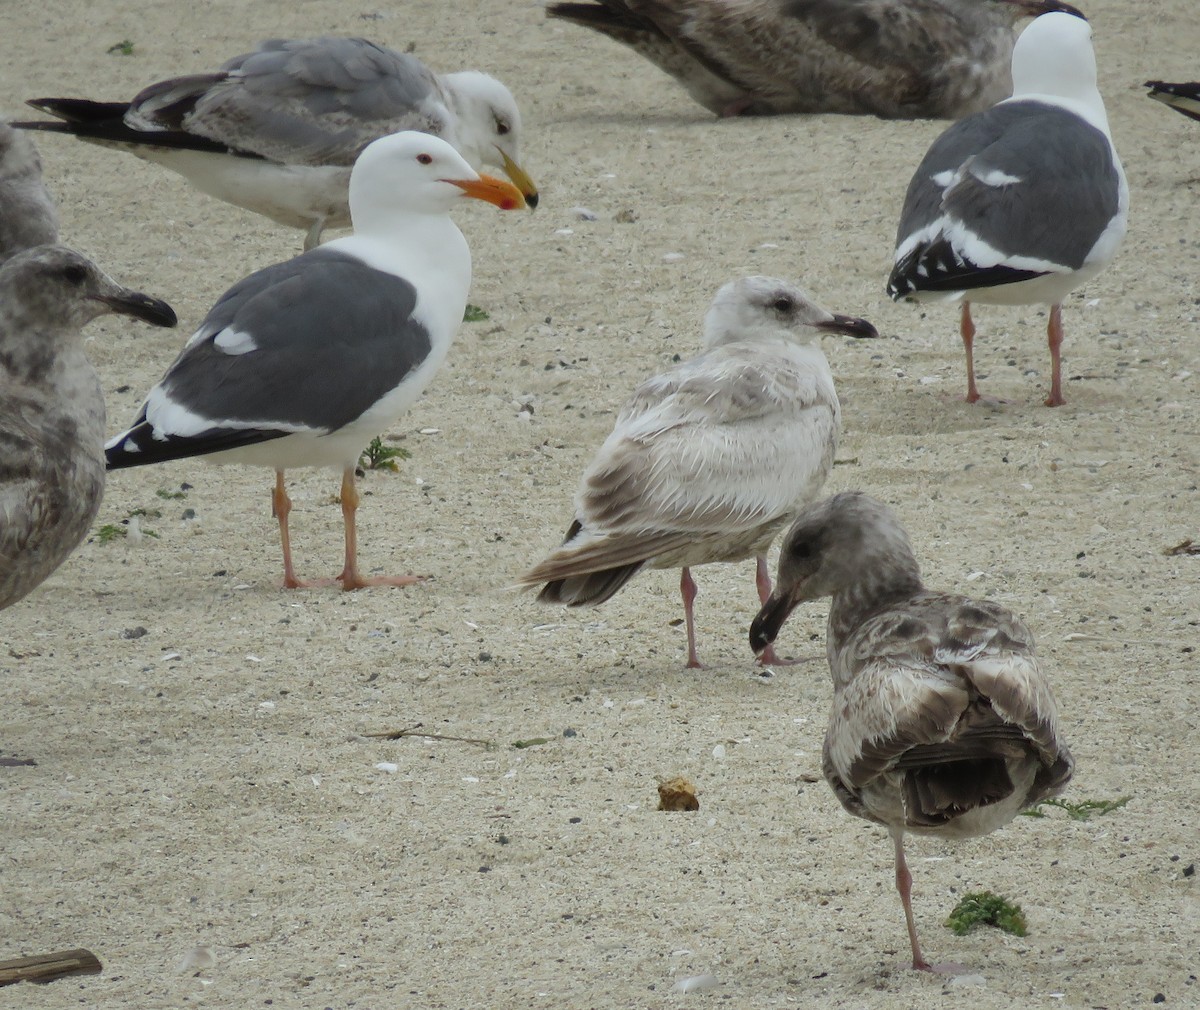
{"x": 281, "y": 505}
{"x": 687, "y": 589}
{"x": 967, "y": 329}
{"x": 1054, "y": 337}
{"x": 904, "y": 886}
{"x": 350, "y": 578}
{"x": 312, "y": 237}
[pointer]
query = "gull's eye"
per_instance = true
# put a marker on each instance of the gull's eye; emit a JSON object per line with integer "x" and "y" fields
{"x": 783, "y": 304}
{"x": 502, "y": 127}
{"x": 75, "y": 274}
{"x": 425, "y": 159}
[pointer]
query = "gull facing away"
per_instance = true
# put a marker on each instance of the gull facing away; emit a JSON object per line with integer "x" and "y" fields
{"x": 277, "y": 130}
{"x": 897, "y": 59}
{"x": 303, "y": 362}
{"x": 942, "y": 720}
{"x": 52, "y": 407}
{"x": 1022, "y": 204}
{"x": 1183, "y": 98}
{"x": 27, "y": 214}
{"x": 710, "y": 459}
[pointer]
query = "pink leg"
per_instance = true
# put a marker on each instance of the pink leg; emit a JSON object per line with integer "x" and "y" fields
{"x": 1054, "y": 337}
{"x": 904, "y": 886}
{"x": 281, "y": 505}
{"x": 967, "y": 329}
{"x": 687, "y": 589}
{"x": 350, "y": 577}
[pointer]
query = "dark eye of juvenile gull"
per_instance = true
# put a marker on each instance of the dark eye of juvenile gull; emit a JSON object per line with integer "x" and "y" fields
{"x": 75, "y": 274}
{"x": 425, "y": 159}
{"x": 782, "y": 304}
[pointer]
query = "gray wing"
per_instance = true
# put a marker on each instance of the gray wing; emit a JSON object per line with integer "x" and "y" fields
{"x": 27, "y": 214}
{"x": 301, "y": 101}
{"x": 1030, "y": 181}
{"x": 306, "y": 345}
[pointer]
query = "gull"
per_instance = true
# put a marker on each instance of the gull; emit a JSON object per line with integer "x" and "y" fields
{"x": 1023, "y": 203}
{"x": 52, "y": 407}
{"x": 942, "y": 722}
{"x": 710, "y": 459}
{"x": 277, "y": 130}
{"x": 303, "y": 362}
{"x": 27, "y": 214}
{"x": 897, "y": 59}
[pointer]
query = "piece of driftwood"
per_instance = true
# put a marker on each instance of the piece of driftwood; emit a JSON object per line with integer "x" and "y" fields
{"x": 48, "y": 967}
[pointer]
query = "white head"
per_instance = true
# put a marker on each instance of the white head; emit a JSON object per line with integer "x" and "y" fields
{"x": 489, "y": 126}
{"x": 413, "y": 173}
{"x": 755, "y": 307}
{"x": 1053, "y": 56}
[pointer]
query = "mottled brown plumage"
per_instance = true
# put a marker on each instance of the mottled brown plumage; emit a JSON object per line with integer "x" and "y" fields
{"x": 52, "y": 408}
{"x": 942, "y": 719}
{"x": 898, "y": 59}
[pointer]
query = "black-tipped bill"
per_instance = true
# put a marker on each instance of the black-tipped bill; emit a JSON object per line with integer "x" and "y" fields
{"x": 140, "y": 306}
{"x": 765, "y": 627}
{"x": 851, "y": 326}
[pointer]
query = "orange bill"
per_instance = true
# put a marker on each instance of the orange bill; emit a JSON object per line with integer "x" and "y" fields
{"x": 503, "y": 194}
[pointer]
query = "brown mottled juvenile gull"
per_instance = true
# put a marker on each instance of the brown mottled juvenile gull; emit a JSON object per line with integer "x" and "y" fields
{"x": 708, "y": 460}
{"x": 303, "y": 362}
{"x": 277, "y": 130}
{"x": 27, "y": 214}
{"x": 942, "y": 721}
{"x": 51, "y": 407}
{"x": 898, "y": 59}
{"x": 1021, "y": 204}
{"x": 1183, "y": 98}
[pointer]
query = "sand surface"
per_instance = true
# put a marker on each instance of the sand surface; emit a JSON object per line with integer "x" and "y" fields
{"x": 205, "y": 773}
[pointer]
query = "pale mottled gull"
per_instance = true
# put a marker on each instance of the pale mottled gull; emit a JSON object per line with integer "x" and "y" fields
{"x": 942, "y": 722}
{"x": 303, "y": 362}
{"x": 52, "y": 408}
{"x": 27, "y": 214}
{"x": 708, "y": 461}
{"x": 1022, "y": 204}
{"x": 1183, "y": 98}
{"x": 277, "y": 130}
{"x": 899, "y": 59}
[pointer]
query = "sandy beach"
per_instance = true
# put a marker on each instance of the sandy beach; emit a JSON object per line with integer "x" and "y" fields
{"x": 208, "y": 770}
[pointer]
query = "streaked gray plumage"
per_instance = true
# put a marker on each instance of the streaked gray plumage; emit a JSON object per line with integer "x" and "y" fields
{"x": 709, "y": 460}
{"x": 52, "y": 408}
{"x": 898, "y": 59}
{"x": 277, "y": 130}
{"x": 27, "y": 214}
{"x": 942, "y": 720}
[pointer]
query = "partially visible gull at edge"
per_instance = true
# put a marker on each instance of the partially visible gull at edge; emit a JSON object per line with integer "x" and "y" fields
{"x": 1022, "y": 204}
{"x": 277, "y": 130}
{"x": 1184, "y": 98}
{"x": 52, "y": 407}
{"x": 942, "y": 720}
{"x": 303, "y": 362}
{"x": 27, "y": 213}
{"x": 897, "y": 59}
{"x": 708, "y": 461}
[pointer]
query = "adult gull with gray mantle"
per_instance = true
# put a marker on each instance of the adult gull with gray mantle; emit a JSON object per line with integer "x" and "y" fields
{"x": 708, "y": 461}
{"x": 942, "y": 721}
{"x": 303, "y": 362}
{"x": 1023, "y": 203}
{"x": 27, "y": 214}
{"x": 277, "y": 130}
{"x": 52, "y": 407}
{"x": 898, "y": 59}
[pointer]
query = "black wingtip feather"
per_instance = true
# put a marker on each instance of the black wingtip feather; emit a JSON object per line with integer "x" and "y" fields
{"x": 139, "y": 447}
